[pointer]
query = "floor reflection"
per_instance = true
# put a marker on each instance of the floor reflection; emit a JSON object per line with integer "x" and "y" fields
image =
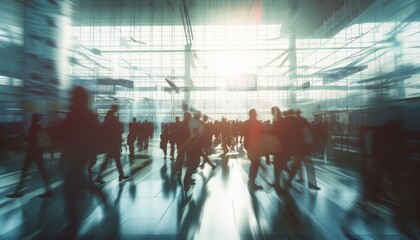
{"x": 191, "y": 208}
{"x": 152, "y": 204}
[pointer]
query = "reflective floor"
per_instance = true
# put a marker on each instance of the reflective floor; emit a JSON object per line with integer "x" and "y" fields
{"x": 153, "y": 205}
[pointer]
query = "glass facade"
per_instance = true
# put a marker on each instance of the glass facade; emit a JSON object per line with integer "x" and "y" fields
{"x": 233, "y": 66}
{"x": 238, "y": 67}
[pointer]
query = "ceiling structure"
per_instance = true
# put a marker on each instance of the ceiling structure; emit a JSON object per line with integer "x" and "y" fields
{"x": 369, "y": 49}
{"x": 310, "y": 19}
{"x": 305, "y": 15}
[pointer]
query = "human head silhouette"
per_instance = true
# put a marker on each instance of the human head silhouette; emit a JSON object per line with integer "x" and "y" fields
{"x": 79, "y": 98}
{"x": 252, "y": 113}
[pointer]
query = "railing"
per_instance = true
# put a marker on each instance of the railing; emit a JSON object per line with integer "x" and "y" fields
{"x": 345, "y": 142}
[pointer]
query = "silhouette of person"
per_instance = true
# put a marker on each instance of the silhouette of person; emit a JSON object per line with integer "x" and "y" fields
{"x": 148, "y": 133}
{"x": 98, "y": 145}
{"x": 140, "y": 135}
{"x": 113, "y": 135}
{"x": 206, "y": 143}
{"x": 280, "y": 158}
{"x": 303, "y": 148}
{"x": 225, "y": 133}
{"x": 253, "y": 131}
{"x": 183, "y": 137}
{"x": 174, "y": 140}
{"x": 196, "y": 130}
{"x": 267, "y": 127}
{"x": 77, "y": 135}
{"x": 164, "y": 138}
{"x": 33, "y": 154}
{"x": 132, "y": 135}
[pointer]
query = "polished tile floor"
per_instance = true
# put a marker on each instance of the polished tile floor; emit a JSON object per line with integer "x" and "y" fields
{"x": 153, "y": 205}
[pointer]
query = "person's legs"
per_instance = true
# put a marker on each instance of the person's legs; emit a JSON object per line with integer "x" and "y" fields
{"x": 70, "y": 200}
{"x": 117, "y": 157}
{"x": 300, "y": 178}
{"x": 278, "y": 163}
{"x": 27, "y": 162}
{"x": 131, "y": 149}
{"x": 204, "y": 161}
{"x": 140, "y": 143}
{"x": 40, "y": 163}
{"x": 102, "y": 168}
{"x": 165, "y": 149}
{"x": 310, "y": 171}
{"x": 73, "y": 184}
{"x": 225, "y": 144}
{"x": 104, "y": 164}
{"x": 179, "y": 161}
{"x": 253, "y": 170}
{"x": 193, "y": 160}
{"x": 172, "y": 148}
{"x": 119, "y": 167}
{"x": 190, "y": 162}
{"x": 207, "y": 160}
{"x": 26, "y": 165}
{"x": 146, "y": 142}
{"x": 295, "y": 167}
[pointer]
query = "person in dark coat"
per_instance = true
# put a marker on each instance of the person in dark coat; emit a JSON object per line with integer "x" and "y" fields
{"x": 132, "y": 135}
{"x": 303, "y": 149}
{"x": 164, "y": 139}
{"x": 183, "y": 136}
{"x": 280, "y": 158}
{"x": 174, "y": 140}
{"x": 207, "y": 143}
{"x": 193, "y": 148}
{"x": 77, "y": 136}
{"x": 33, "y": 154}
{"x": 113, "y": 134}
{"x": 253, "y": 131}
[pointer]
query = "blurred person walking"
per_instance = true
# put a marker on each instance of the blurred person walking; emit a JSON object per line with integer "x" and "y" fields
{"x": 206, "y": 143}
{"x": 132, "y": 135}
{"x": 33, "y": 154}
{"x": 174, "y": 140}
{"x": 78, "y": 135}
{"x": 253, "y": 131}
{"x": 113, "y": 135}
{"x": 164, "y": 139}
{"x": 280, "y": 157}
{"x": 304, "y": 146}
{"x": 183, "y": 136}
{"x": 194, "y": 148}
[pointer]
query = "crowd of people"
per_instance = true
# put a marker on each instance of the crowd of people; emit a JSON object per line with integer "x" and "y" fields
{"x": 289, "y": 137}
{"x": 80, "y": 137}
{"x": 286, "y": 142}
{"x": 140, "y": 131}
